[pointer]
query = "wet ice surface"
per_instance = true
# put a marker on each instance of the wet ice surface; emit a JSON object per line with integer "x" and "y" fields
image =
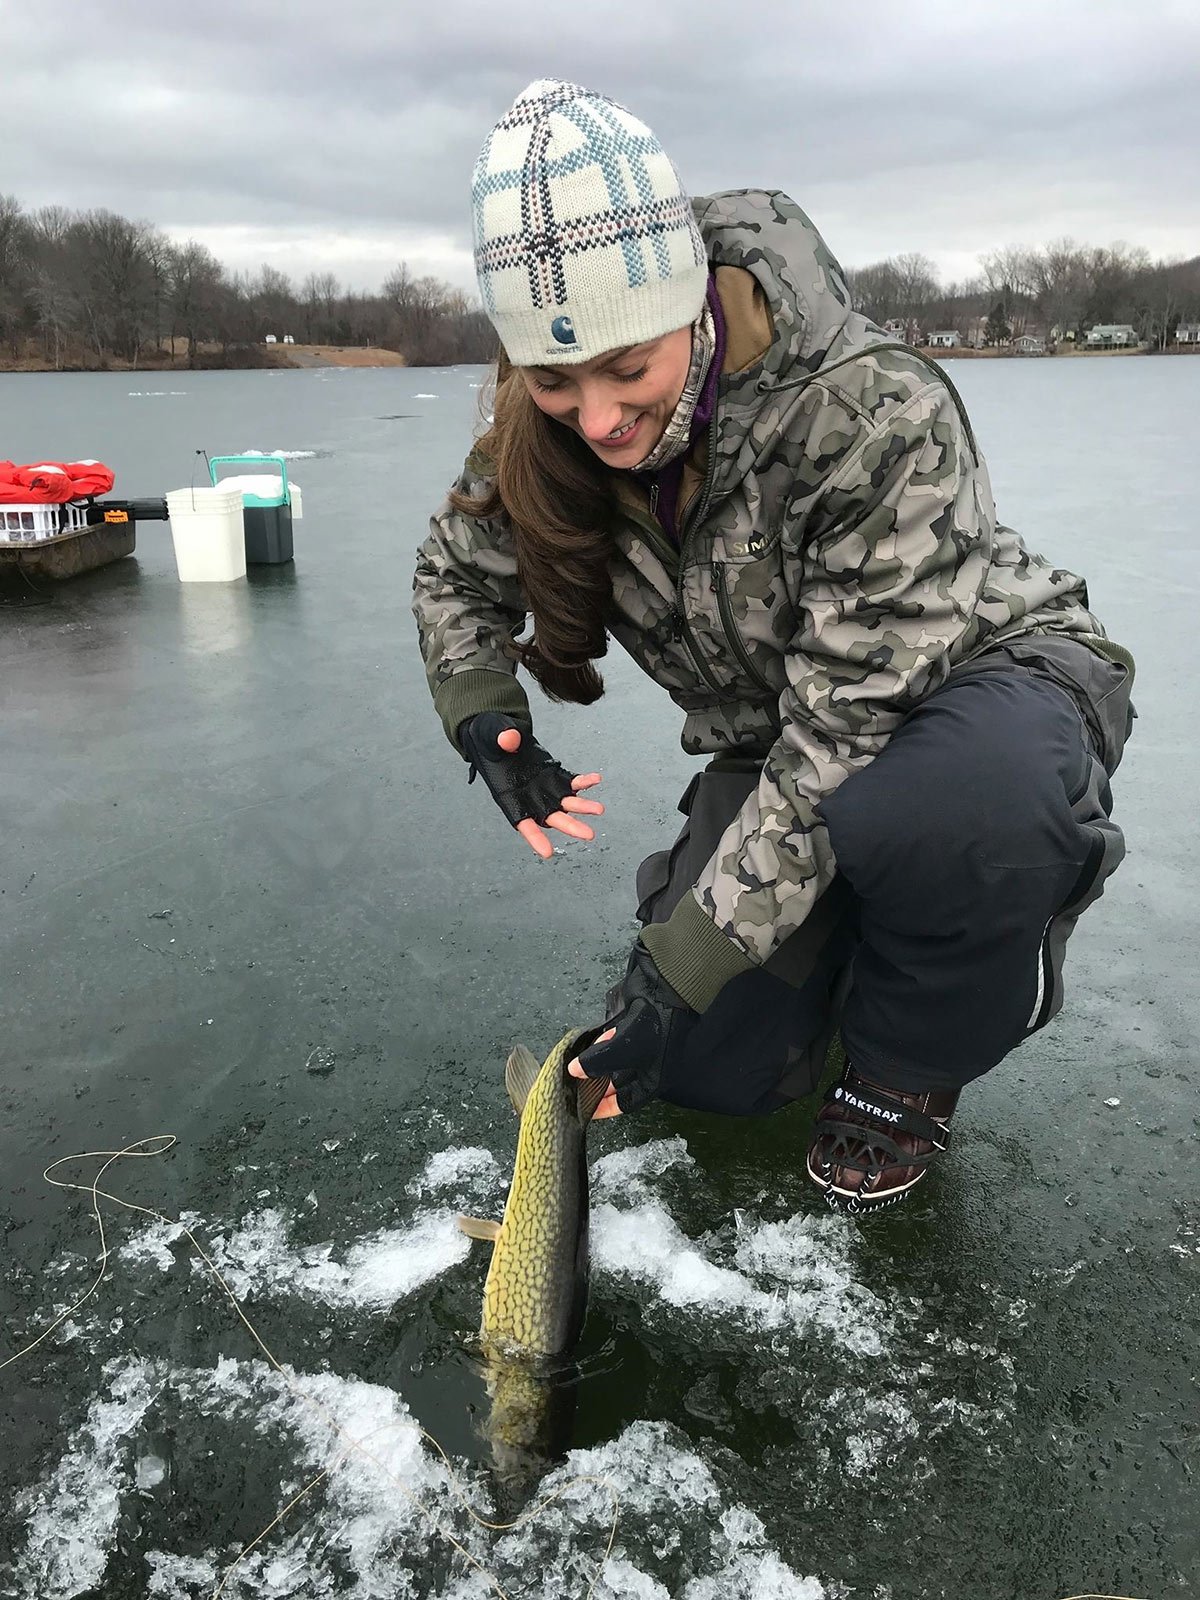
{"x": 777, "y": 1295}
{"x": 372, "y": 1517}
{"x": 989, "y": 1393}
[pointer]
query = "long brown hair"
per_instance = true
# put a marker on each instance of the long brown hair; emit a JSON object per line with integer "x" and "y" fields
{"x": 554, "y": 494}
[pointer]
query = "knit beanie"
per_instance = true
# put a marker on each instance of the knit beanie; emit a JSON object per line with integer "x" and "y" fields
{"x": 584, "y": 237}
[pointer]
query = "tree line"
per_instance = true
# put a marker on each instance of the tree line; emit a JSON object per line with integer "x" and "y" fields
{"x": 88, "y": 288}
{"x": 1058, "y": 291}
{"x": 93, "y": 287}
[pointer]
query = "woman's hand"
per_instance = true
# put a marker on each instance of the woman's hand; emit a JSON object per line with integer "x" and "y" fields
{"x": 644, "y": 1044}
{"x": 608, "y": 1106}
{"x": 525, "y": 781}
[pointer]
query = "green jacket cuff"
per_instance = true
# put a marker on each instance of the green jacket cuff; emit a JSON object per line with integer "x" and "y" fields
{"x": 477, "y": 689}
{"x": 693, "y": 955}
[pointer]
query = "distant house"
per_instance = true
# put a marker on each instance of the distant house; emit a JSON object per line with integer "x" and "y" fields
{"x": 944, "y": 339}
{"x": 1188, "y": 333}
{"x": 903, "y": 330}
{"x": 1111, "y": 336}
{"x": 288, "y": 339}
{"x": 270, "y": 339}
{"x": 1029, "y": 344}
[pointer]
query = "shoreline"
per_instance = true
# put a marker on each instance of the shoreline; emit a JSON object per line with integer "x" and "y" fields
{"x": 266, "y": 358}
{"x": 299, "y": 358}
{"x": 1069, "y": 352}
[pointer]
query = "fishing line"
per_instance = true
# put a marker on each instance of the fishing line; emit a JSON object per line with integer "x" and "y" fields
{"x": 157, "y": 1145}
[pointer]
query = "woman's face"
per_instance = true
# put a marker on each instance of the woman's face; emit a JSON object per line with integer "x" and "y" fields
{"x": 620, "y": 402}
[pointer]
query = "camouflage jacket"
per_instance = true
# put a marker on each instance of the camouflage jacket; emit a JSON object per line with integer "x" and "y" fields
{"x": 839, "y": 557}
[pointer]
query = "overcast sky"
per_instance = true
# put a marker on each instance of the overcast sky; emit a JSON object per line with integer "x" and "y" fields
{"x": 341, "y": 135}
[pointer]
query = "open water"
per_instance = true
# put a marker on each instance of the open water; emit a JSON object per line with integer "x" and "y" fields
{"x": 246, "y": 897}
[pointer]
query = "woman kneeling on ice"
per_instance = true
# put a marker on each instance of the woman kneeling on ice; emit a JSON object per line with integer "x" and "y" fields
{"x": 702, "y": 450}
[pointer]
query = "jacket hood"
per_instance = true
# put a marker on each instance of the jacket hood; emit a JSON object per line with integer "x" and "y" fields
{"x": 768, "y": 235}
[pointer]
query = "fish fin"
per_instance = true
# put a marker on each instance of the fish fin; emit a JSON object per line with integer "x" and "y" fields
{"x": 520, "y": 1075}
{"x": 591, "y": 1092}
{"x": 480, "y": 1228}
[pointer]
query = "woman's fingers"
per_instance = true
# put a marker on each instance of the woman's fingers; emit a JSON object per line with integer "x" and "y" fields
{"x": 567, "y": 820}
{"x": 535, "y": 838}
{"x": 510, "y": 740}
{"x": 608, "y": 1106}
{"x": 571, "y": 826}
{"x": 583, "y": 808}
{"x": 586, "y": 780}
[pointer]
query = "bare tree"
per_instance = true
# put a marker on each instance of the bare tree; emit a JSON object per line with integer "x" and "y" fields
{"x": 14, "y": 270}
{"x": 196, "y": 281}
{"x": 274, "y": 300}
{"x": 875, "y": 290}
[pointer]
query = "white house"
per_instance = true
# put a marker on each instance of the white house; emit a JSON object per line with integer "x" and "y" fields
{"x": 1188, "y": 333}
{"x": 944, "y": 339}
{"x": 1029, "y": 344}
{"x": 270, "y": 339}
{"x": 1111, "y": 335}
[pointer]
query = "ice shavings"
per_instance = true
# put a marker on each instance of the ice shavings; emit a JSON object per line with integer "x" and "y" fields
{"x": 676, "y": 1536}
{"x": 806, "y": 1313}
{"x": 471, "y": 1168}
{"x": 155, "y": 1244}
{"x": 625, "y": 1174}
{"x": 370, "y": 1529}
{"x": 281, "y": 455}
{"x": 425, "y": 397}
{"x": 71, "y": 1519}
{"x": 258, "y": 1259}
{"x": 792, "y": 1275}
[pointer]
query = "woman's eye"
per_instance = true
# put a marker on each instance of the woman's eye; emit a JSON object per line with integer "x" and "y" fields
{"x": 546, "y": 388}
{"x": 630, "y": 377}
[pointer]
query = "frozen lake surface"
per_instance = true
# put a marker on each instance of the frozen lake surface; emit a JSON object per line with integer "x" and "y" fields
{"x": 236, "y": 848}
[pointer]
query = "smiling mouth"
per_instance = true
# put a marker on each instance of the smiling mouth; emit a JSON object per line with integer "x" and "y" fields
{"x": 619, "y": 435}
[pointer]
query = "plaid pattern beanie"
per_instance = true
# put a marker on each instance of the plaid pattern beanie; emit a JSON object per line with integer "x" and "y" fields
{"x": 584, "y": 237}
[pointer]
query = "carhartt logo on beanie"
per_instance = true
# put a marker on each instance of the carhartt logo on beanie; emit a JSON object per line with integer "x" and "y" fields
{"x": 584, "y": 237}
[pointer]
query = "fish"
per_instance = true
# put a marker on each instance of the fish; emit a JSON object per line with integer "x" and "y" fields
{"x": 535, "y": 1295}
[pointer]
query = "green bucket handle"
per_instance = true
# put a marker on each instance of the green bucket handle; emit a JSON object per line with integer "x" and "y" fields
{"x": 252, "y": 461}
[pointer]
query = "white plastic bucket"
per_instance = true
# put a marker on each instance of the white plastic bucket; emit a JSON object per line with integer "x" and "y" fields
{"x": 208, "y": 534}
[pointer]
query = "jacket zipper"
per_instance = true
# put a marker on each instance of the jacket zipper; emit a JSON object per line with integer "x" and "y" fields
{"x": 732, "y": 637}
{"x": 681, "y": 628}
{"x": 691, "y": 522}
{"x": 683, "y": 631}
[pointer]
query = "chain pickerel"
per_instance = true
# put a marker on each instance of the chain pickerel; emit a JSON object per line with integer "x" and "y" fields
{"x": 535, "y": 1297}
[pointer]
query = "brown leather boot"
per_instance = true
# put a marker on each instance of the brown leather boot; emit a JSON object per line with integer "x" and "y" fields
{"x": 871, "y": 1146}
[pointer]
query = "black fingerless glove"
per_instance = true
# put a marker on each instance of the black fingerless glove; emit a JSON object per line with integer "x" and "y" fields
{"x": 529, "y": 783}
{"x": 652, "y": 1027}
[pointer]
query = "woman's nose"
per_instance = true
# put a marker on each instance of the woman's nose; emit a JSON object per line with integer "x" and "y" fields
{"x": 599, "y": 414}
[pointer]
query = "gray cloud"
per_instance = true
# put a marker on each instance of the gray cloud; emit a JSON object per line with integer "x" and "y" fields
{"x": 341, "y": 135}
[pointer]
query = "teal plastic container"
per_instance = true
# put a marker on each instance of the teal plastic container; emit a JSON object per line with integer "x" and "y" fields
{"x": 266, "y": 517}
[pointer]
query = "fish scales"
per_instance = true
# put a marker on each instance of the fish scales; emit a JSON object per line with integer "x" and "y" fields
{"x": 536, "y": 1291}
{"x": 536, "y": 1284}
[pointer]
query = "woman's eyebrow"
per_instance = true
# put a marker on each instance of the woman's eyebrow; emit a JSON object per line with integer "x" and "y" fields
{"x": 606, "y": 361}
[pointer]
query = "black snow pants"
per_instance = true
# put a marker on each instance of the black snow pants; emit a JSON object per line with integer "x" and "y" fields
{"x": 966, "y": 851}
